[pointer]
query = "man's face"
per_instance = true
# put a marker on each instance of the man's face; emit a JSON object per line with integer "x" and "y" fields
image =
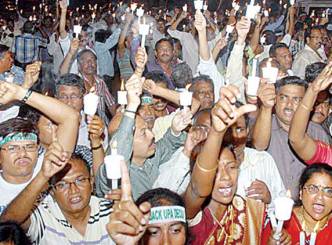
{"x": 161, "y": 27}
{"x": 284, "y": 57}
{"x": 159, "y": 104}
{"x": 88, "y": 64}
{"x": 315, "y": 39}
{"x": 71, "y": 96}
{"x": 73, "y": 191}
{"x": 322, "y": 108}
{"x": 203, "y": 91}
{"x": 165, "y": 52}
{"x": 18, "y": 160}
{"x": 325, "y": 38}
{"x": 288, "y": 99}
{"x": 84, "y": 39}
{"x": 6, "y": 62}
{"x": 144, "y": 145}
{"x": 146, "y": 112}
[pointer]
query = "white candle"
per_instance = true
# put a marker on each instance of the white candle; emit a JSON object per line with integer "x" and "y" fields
{"x": 10, "y": 78}
{"x": 184, "y": 8}
{"x": 77, "y": 30}
{"x": 122, "y": 94}
{"x": 144, "y": 31}
{"x": 291, "y": 2}
{"x": 93, "y": 16}
{"x": 229, "y": 30}
{"x": 186, "y": 98}
{"x": 140, "y": 12}
{"x": 266, "y": 13}
{"x": 113, "y": 166}
{"x": 253, "y": 85}
{"x": 198, "y": 4}
{"x": 283, "y": 207}
{"x": 270, "y": 73}
{"x": 205, "y": 7}
{"x": 133, "y": 7}
{"x": 251, "y": 10}
{"x": 91, "y": 101}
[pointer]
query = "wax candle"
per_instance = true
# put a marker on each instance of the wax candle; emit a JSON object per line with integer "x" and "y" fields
{"x": 291, "y": 2}
{"x": 266, "y": 13}
{"x": 122, "y": 94}
{"x": 143, "y": 31}
{"x": 198, "y": 4}
{"x": 133, "y": 7}
{"x": 9, "y": 77}
{"x": 270, "y": 73}
{"x": 93, "y": 16}
{"x": 253, "y": 81}
{"x": 205, "y": 7}
{"x": 235, "y": 6}
{"x": 140, "y": 12}
{"x": 229, "y": 30}
{"x": 91, "y": 101}
{"x": 186, "y": 98}
{"x": 77, "y": 30}
{"x": 251, "y": 10}
{"x": 185, "y": 8}
{"x": 113, "y": 166}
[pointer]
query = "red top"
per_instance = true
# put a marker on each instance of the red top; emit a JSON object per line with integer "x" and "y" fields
{"x": 323, "y": 154}
{"x": 293, "y": 227}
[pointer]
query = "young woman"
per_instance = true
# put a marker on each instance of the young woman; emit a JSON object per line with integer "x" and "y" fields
{"x": 310, "y": 222}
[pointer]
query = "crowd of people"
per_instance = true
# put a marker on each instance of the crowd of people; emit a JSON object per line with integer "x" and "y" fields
{"x": 209, "y": 116}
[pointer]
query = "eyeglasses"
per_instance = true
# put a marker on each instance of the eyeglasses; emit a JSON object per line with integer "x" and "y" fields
{"x": 314, "y": 189}
{"x": 71, "y": 97}
{"x": 65, "y": 185}
{"x": 18, "y": 148}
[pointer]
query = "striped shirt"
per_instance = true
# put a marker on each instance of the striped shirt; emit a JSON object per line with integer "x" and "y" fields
{"x": 26, "y": 48}
{"x": 50, "y": 227}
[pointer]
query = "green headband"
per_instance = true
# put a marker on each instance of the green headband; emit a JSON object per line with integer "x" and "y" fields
{"x": 18, "y": 137}
{"x": 165, "y": 214}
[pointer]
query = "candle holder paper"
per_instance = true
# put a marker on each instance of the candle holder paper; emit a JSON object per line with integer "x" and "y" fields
{"x": 91, "y": 101}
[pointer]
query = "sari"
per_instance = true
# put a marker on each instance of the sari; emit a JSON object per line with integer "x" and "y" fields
{"x": 241, "y": 223}
{"x": 293, "y": 227}
{"x": 323, "y": 154}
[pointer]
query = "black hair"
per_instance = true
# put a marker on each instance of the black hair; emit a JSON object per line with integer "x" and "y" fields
{"x": 12, "y": 232}
{"x": 84, "y": 51}
{"x": 28, "y": 27}
{"x": 157, "y": 77}
{"x": 164, "y": 40}
{"x": 313, "y": 70}
{"x": 182, "y": 75}
{"x": 18, "y": 125}
{"x": 71, "y": 80}
{"x": 3, "y": 49}
{"x": 270, "y": 36}
{"x": 309, "y": 31}
{"x": 102, "y": 35}
{"x": 200, "y": 78}
{"x": 291, "y": 80}
{"x": 274, "y": 48}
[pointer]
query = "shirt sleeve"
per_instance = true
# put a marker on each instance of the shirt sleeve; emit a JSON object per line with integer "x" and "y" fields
{"x": 37, "y": 225}
{"x": 65, "y": 44}
{"x": 113, "y": 39}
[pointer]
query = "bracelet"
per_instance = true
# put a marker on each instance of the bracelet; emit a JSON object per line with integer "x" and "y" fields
{"x": 305, "y": 107}
{"x": 129, "y": 111}
{"x": 97, "y": 147}
{"x": 26, "y": 96}
{"x": 204, "y": 169}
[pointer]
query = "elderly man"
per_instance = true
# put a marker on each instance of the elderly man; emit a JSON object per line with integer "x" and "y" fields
{"x": 7, "y": 66}
{"x": 19, "y": 139}
{"x": 271, "y": 130}
{"x": 311, "y": 53}
{"x": 70, "y": 215}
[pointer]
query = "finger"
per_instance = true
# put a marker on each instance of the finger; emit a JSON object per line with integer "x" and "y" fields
{"x": 134, "y": 210}
{"x": 227, "y": 107}
{"x": 125, "y": 216}
{"x": 245, "y": 109}
{"x": 115, "y": 228}
{"x": 54, "y": 136}
{"x": 125, "y": 183}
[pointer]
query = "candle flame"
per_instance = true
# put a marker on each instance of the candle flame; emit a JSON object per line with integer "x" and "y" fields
{"x": 92, "y": 89}
{"x": 122, "y": 87}
{"x": 289, "y": 194}
{"x": 188, "y": 86}
{"x": 114, "y": 145}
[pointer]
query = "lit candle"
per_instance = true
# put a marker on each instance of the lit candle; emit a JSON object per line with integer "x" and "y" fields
{"x": 77, "y": 30}
{"x": 33, "y": 8}
{"x": 253, "y": 81}
{"x": 251, "y": 10}
{"x": 270, "y": 73}
{"x": 229, "y": 30}
{"x": 91, "y": 101}
{"x": 122, "y": 94}
{"x": 283, "y": 211}
{"x": 184, "y": 8}
{"x": 291, "y": 2}
{"x": 93, "y": 16}
{"x": 186, "y": 97}
{"x": 205, "y": 7}
{"x": 140, "y": 12}
{"x": 143, "y": 31}
{"x": 198, "y": 4}
{"x": 133, "y": 7}
{"x": 113, "y": 166}
{"x": 235, "y": 6}
{"x": 266, "y": 13}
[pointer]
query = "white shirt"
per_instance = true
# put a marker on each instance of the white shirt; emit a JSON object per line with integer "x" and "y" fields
{"x": 175, "y": 173}
{"x": 50, "y": 227}
{"x": 9, "y": 191}
{"x": 261, "y": 166}
{"x": 306, "y": 57}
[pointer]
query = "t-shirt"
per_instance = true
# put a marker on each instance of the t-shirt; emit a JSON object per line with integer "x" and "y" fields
{"x": 10, "y": 191}
{"x": 50, "y": 227}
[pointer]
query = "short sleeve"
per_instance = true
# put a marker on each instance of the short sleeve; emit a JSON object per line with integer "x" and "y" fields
{"x": 37, "y": 226}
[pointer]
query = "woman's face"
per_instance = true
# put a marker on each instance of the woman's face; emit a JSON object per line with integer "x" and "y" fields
{"x": 170, "y": 233}
{"x": 316, "y": 196}
{"x": 226, "y": 180}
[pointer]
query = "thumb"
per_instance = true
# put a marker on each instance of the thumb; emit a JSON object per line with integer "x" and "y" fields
{"x": 125, "y": 183}
{"x": 54, "y": 135}
{"x": 246, "y": 109}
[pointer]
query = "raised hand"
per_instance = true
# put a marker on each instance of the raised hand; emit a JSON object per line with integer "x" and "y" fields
{"x": 150, "y": 86}
{"x": 96, "y": 129}
{"x": 10, "y": 92}
{"x": 195, "y": 136}
{"x": 200, "y": 21}
{"x": 258, "y": 190}
{"x": 266, "y": 94}
{"x": 74, "y": 45}
{"x": 63, "y": 4}
{"x": 55, "y": 157}
{"x": 128, "y": 222}
{"x": 324, "y": 79}
{"x": 285, "y": 239}
{"x": 31, "y": 74}
{"x": 243, "y": 27}
{"x": 140, "y": 59}
{"x": 181, "y": 120}
{"x": 225, "y": 113}
{"x": 134, "y": 87}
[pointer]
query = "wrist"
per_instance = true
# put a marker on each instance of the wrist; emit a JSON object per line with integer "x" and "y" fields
{"x": 174, "y": 132}
{"x": 132, "y": 107}
{"x": 21, "y": 92}
{"x": 187, "y": 151}
{"x": 42, "y": 178}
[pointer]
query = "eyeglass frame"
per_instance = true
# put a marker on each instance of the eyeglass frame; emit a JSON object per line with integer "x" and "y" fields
{"x": 68, "y": 184}
{"x": 318, "y": 188}
{"x": 19, "y": 148}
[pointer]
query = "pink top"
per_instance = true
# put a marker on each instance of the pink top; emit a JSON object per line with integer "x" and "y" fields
{"x": 323, "y": 154}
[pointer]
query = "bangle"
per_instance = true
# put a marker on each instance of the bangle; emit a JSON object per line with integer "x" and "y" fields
{"x": 129, "y": 111}
{"x": 305, "y": 107}
{"x": 26, "y": 96}
{"x": 97, "y": 147}
{"x": 204, "y": 169}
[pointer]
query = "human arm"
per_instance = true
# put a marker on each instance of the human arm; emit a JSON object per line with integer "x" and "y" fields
{"x": 31, "y": 74}
{"x": 122, "y": 38}
{"x": 200, "y": 25}
{"x": 303, "y": 144}
{"x": 70, "y": 56}
{"x": 63, "y": 16}
{"x": 262, "y": 128}
{"x": 223, "y": 114}
{"x": 291, "y": 20}
{"x": 170, "y": 95}
{"x": 181, "y": 17}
